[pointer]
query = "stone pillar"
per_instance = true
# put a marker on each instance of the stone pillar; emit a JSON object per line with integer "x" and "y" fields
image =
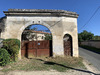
{"x": 58, "y": 46}
{"x": 75, "y": 46}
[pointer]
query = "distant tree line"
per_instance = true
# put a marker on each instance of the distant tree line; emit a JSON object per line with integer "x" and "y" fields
{"x": 86, "y": 36}
{"x": 48, "y": 37}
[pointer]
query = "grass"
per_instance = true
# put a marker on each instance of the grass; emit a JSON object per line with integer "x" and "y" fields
{"x": 97, "y": 50}
{"x": 60, "y": 64}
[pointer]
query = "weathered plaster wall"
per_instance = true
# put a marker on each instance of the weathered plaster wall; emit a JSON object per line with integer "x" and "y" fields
{"x": 70, "y": 27}
{"x": 91, "y": 43}
{"x": 59, "y": 26}
{"x": 2, "y": 25}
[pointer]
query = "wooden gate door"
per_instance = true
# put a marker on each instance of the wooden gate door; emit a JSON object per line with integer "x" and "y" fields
{"x": 24, "y": 47}
{"x": 43, "y": 48}
{"x": 36, "y": 48}
{"x": 68, "y": 47}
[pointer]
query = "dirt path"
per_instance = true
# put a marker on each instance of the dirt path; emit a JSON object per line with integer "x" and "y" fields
{"x": 91, "y": 68}
{"x": 90, "y": 71}
{"x": 71, "y": 72}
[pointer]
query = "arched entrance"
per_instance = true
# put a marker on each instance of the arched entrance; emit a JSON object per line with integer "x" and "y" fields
{"x": 67, "y": 39}
{"x": 36, "y": 42}
{"x": 59, "y": 22}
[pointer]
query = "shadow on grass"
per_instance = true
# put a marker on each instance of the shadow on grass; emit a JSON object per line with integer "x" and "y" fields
{"x": 53, "y": 63}
{"x": 93, "y": 49}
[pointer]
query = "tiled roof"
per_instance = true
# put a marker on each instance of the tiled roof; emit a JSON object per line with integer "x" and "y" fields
{"x": 37, "y": 32}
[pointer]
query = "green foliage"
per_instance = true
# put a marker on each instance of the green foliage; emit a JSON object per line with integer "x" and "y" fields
{"x": 27, "y": 32}
{"x": 96, "y": 37}
{"x": 12, "y": 46}
{"x": 48, "y": 37}
{"x": 4, "y": 57}
{"x": 85, "y": 36}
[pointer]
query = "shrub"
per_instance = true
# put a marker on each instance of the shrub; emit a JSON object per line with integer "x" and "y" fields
{"x": 4, "y": 57}
{"x": 12, "y": 46}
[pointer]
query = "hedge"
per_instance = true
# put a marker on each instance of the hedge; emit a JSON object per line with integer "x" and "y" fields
{"x": 4, "y": 57}
{"x": 12, "y": 46}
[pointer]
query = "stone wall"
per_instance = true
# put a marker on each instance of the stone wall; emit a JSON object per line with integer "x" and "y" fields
{"x": 91, "y": 43}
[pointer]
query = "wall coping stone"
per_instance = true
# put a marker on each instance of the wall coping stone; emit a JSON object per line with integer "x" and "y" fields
{"x": 40, "y": 12}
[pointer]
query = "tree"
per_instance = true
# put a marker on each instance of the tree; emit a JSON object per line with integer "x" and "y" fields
{"x": 96, "y": 37}
{"x": 27, "y": 34}
{"x": 85, "y": 36}
{"x": 28, "y": 28}
{"x": 48, "y": 37}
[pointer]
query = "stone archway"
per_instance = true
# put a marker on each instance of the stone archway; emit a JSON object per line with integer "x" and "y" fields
{"x": 38, "y": 43}
{"x": 68, "y": 50}
{"x": 57, "y": 21}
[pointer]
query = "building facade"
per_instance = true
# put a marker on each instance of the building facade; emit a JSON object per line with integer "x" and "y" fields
{"x": 34, "y": 35}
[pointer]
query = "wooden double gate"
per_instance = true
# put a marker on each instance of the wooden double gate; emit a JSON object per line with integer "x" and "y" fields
{"x": 32, "y": 49}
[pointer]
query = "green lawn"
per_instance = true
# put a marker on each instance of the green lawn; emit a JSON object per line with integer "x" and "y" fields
{"x": 61, "y": 64}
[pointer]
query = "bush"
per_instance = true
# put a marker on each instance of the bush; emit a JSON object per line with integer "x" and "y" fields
{"x": 12, "y": 46}
{"x": 4, "y": 57}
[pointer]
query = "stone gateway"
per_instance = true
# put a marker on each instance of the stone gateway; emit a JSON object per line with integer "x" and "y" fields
{"x": 61, "y": 23}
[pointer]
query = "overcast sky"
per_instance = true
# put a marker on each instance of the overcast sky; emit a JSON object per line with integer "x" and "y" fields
{"x": 85, "y": 9}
